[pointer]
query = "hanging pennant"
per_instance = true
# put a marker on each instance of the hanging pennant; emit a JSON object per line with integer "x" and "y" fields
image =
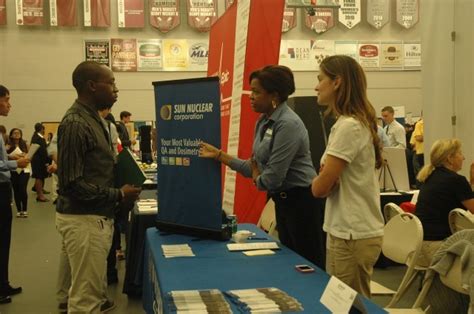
{"x": 202, "y": 14}
{"x": 378, "y": 12}
{"x": 349, "y": 13}
{"x": 3, "y": 12}
{"x": 62, "y": 12}
{"x": 29, "y": 12}
{"x": 408, "y": 12}
{"x": 164, "y": 15}
{"x": 97, "y": 13}
{"x": 321, "y": 21}
{"x": 289, "y": 19}
{"x": 131, "y": 13}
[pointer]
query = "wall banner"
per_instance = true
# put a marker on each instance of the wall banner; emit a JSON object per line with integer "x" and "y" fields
{"x": 3, "y": 12}
{"x": 289, "y": 19}
{"x": 349, "y": 13}
{"x": 408, "y": 12}
{"x": 321, "y": 21}
{"x": 188, "y": 112}
{"x": 202, "y": 14}
{"x": 378, "y": 12}
{"x": 164, "y": 15}
{"x": 62, "y": 12}
{"x": 29, "y": 12}
{"x": 97, "y": 13}
{"x": 131, "y": 13}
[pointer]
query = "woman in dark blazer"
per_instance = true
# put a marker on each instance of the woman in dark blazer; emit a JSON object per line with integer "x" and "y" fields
{"x": 39, "y": 162}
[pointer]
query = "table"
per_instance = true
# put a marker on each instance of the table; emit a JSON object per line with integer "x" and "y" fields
{"x": 139, "y": 222}
{"x": 215, "y": 267}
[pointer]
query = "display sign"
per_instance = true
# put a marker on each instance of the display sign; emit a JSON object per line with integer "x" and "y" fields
{"x": 124, "y": 55}
{"x": 188, "y": 112}
{"x": 97, "y": 50}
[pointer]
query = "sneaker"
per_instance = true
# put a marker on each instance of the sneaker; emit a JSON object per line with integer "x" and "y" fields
{"x": 107, "y": 306}
{"x": 19, "y": 215}
{"x": 25, "y": 214}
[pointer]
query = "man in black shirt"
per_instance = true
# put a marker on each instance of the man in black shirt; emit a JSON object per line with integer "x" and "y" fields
{"x": 87, "y": 196}
{"x": 125, "y": 117}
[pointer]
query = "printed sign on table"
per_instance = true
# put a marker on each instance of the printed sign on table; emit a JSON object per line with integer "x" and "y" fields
{"x": 124, "y": 55}
{"x": 29, "y": 12}
{"x": 188, "y": 112}
{"x": 63, "y": 12}
{"x": 131, "y": 13}
{"x": 164, "y": 15}
{"x": 97, "y": 50}
{"x": 202, "y": 14}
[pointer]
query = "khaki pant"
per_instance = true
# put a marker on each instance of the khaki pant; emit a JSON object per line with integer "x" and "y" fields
{"x": 86, "y": 244}
{"x": 428, "y": 249}
{"x": 352, "y": 261}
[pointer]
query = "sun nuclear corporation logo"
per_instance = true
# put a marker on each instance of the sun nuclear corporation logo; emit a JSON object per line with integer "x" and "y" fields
{"x": 165, "y": 112}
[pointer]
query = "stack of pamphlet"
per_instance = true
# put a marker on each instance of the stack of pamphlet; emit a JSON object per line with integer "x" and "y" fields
{"x": 264, "y": 300}
{"x": 147, "y": 206}
{"x": 176, "y": 250}
{"x": 198, "y": 301}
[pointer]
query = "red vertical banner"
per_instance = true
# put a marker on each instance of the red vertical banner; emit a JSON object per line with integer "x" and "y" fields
{"x": 131, "y": 13}
{"x": 164, "y": 15}
{"x": 202, "y": 14}
{"x": 3, "y": 12}
{"x": 63, "y": 12}
{"x": 237, "y": 47}
{"x": 29, "y": 12}
{"x": 97, "y": 13}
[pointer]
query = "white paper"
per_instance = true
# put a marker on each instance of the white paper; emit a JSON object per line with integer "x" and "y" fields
{"x": 33, "y": 148}
{"x": 338, "y": 297}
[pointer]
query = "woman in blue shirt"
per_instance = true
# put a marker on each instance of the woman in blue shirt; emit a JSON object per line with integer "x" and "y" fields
{"x": 281, "y": 163}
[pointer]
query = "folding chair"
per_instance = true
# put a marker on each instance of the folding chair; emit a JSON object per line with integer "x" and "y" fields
{"x": 390, "y": 210}
{"x": 267, "y": 221}
{"x": 403, "y": 237}
{"x": 460, "y": 219}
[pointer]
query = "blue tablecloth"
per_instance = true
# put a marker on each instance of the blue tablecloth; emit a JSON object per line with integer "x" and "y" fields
{"x": 214, "y": 267}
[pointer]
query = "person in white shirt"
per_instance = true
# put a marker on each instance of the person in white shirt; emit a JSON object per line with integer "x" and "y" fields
{"x": 353, "y": 219}
{"x": 394, "y": 130}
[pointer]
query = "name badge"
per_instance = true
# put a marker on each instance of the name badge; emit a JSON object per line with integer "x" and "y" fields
{"x": 269, "y": 132}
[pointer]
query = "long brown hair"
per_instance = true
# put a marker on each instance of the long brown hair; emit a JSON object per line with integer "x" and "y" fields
{"x": 351, "y": 96}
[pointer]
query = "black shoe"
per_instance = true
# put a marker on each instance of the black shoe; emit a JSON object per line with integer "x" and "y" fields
{"x": 62, "y": 307}
{"x": 4, "y": 299}
{"x": 9, "y": 291}
{"x": 107, "y": 306}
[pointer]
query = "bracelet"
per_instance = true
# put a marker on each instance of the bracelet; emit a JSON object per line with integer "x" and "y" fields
{"x": 218, "y": 155}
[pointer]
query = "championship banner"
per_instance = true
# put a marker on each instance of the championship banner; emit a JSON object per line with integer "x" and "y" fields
{"x": 62, "y": 12}
{"x": 349, "y": 13}
{"x": 245, "y": 38}
{"x": 202, "y": 14}
{"x": 378, "y": 12}
{"x": 408, "y": 12}
{"x": 3, "y": 12}
{"x": 124, "y": 55}
{"x": 150, "y": 56}
{"x": 164, "y": 15}
{"x": 369, "y": 55}
{"x": 97, "y": 50}
{"x": 321, "y": 21}
{"x": 97, "y": 13}
{"x": 29, "y": 12}
{"x": 187, "y": 112}
{"x": 289, "y": 19}
{"x": 131, "y": 13}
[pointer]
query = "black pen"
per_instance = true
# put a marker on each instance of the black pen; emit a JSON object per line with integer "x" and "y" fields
{"x": 255, "y": 238}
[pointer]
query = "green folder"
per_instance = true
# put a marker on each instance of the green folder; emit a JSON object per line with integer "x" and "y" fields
{"x": 127, "y": 170}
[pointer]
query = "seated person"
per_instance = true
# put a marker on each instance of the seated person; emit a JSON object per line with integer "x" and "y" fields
{"x": 441, "y": 191}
